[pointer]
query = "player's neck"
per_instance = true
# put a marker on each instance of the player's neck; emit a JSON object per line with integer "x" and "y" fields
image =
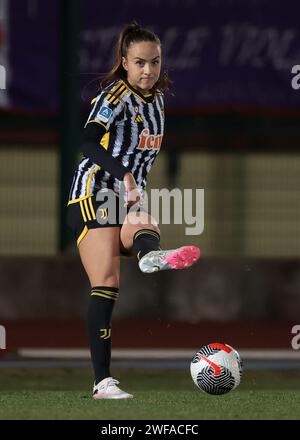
{"x": 141, "y": 91}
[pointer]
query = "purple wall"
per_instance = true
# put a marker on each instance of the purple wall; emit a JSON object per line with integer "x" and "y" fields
{"x": 222, "y": 53}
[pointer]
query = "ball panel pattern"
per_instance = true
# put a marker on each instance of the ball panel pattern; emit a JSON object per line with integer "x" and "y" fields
{"x": 216, "y": 368}
{"x": 221, "y": 384}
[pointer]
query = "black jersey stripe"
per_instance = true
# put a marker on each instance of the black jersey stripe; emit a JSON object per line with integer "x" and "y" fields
{"x": 157, "y": 116}
{"x": 133, "y": 132}
{"x": 149, "y": 119}
{"x": 140, "y": 164}
{"x": 84, "y": 165}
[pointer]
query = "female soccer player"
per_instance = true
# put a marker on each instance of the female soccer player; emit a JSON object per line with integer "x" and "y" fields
{"x": 121, "y": 140}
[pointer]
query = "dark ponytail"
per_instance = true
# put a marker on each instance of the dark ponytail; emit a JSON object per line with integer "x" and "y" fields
{"x": 133, "y": 33}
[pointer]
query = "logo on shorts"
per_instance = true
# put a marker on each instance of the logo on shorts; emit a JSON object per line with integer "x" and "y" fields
{"x": 104, "y": 114}
{"x": 104, "y": 213}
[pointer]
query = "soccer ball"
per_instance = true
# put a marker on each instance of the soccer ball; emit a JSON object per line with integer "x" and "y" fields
{"x": 216, "y": 368}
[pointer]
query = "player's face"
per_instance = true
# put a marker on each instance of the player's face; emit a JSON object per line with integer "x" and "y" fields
{"x": 143, "y": 64}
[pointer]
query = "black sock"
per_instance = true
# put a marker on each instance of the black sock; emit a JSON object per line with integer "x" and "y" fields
{"x": 144, "y": 241}
{"x": 99, "y": 314}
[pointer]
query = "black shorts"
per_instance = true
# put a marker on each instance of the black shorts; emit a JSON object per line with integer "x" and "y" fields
{"x": 90, "y": 213}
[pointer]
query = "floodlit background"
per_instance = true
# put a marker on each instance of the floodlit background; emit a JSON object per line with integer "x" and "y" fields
{"x": 232, "y": 128}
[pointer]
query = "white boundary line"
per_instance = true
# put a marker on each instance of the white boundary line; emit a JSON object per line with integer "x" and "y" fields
{"x": 150, "y": 354}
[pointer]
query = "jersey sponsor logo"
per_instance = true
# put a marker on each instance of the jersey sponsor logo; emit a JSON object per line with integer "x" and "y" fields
{"x": 149, "y": 141}
{"x": 104, "y": 114}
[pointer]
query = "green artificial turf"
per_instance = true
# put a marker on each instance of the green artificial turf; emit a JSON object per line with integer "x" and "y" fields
{"x": 158, "y": 394}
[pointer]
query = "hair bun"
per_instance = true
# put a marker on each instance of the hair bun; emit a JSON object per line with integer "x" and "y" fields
{"x": 134, "y": 27}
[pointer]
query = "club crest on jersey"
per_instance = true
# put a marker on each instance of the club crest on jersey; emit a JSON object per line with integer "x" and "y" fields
{"x": 149, "y": 141}
{"x": 104, "y": 114}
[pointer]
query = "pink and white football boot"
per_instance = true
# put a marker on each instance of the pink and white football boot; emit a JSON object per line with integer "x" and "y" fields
{"x": 180, "y": 258}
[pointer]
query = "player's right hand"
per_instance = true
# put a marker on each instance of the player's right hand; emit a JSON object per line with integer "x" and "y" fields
{"x": 133, "y": 194}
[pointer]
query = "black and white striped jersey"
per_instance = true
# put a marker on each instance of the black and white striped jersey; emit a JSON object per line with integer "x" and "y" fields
{"x": 134, "y": 125}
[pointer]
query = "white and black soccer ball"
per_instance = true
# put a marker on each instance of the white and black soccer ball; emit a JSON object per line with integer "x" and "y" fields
{"x": 216, "y": 368}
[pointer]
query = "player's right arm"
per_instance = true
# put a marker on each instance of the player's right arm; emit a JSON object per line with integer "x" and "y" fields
{"x": 99, "y": 155}
{"x": 91, "y": 148}
{"x": 99, "y": 123}
{"x": 106, "y": 107}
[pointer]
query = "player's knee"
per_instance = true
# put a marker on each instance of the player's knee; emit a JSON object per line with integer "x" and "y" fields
{"x": 106, "y": 279}
{"x": 111, "y": 280}
{"x": 153, "y": 226}
{"x": 149, "y": 227}
{"x": 157, "y": 229}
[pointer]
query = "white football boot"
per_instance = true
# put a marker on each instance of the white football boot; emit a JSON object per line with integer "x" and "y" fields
{"x": 180, "y": 258}
{"x": 107, "y": 389}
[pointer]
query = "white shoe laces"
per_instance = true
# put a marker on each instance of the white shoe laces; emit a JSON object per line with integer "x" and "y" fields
{"x": 110, "y": 382}
{"x": 110, "y": 387}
